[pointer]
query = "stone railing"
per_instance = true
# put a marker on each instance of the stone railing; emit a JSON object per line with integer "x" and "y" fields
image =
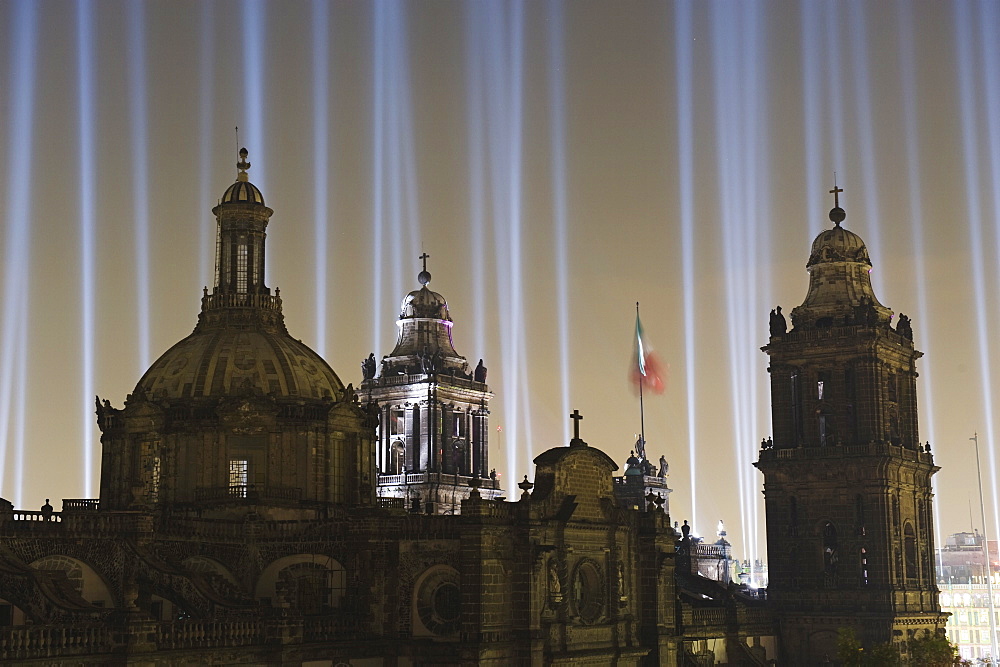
{"x": 192, "y": 634}
{"x": 443, "y": 378}
{"x": 328, "y": 629}
{"x": 248, "y": 492}
{"x": 262, "y": 301}
{"x": 81, "y": 504}
{"x": 26, "y": 515}
{"x": 838, "y": 451}
{"x": 391, "y": 503}
{"x": 436, "y": 478}
{"x": 705, "y": 617}
{"x": 43, "y": 641}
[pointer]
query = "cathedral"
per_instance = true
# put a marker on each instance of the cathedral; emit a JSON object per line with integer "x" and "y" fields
{"x": 254, "y": 509}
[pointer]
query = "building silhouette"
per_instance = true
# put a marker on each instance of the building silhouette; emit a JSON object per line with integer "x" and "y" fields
{"x": 256, "y": 510}
{"x": 847, "y": 483}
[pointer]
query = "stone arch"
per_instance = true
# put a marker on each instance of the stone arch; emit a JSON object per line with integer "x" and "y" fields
{"x": 84, "y": 579}
{"x": 310, "y": 583}
{"x": 437, "y": 602}
{"x": 209, "y": 566}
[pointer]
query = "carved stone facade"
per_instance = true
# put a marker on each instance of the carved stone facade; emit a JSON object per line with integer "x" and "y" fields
{"x": 238, "y": 521}
{"x": 847, "y": 482}
{"x": 433, "y": 438}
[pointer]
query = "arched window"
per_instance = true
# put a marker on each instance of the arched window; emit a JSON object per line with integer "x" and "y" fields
{"x": 793, "y": 517}
{"x": 859, "y": 514}
{"x": 863, "y": 566}
{"x": 910, "y": 551}
{"x": 396, "y": 452}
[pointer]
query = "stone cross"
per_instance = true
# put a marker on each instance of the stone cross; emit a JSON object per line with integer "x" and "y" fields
{"x": 424, "y": 257}
{"x": 576, "y": 417}
{"x": 836, "y": 195}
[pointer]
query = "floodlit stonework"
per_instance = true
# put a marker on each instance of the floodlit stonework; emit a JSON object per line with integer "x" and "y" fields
{"x": 254, "y": 509}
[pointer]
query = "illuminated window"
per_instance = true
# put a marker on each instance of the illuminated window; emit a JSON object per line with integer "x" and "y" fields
{"x": 256, "y": 263}
{"x": 238, "y": 475}
{"x": 397, "y": 423}
{"x": 241, "y": 269}
{"x": 154, "y": 481}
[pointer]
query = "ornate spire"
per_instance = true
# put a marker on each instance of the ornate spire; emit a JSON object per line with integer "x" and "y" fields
{"x": 424, "y": 276}
{"x": 243, "y": 165}
{"x": 837, "y": 214}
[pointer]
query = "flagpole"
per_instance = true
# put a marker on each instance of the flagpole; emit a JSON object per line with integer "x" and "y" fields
{"x": 642, "y": 415}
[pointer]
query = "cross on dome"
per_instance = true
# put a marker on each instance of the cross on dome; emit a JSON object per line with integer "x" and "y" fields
{"x": 837, "y": 214}
{"x": 424, "y": 276}
{"x": 576, "y": 417}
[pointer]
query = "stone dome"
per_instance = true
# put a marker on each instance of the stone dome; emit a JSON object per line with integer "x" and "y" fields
{"x": 226, "y": 361}
{"x": 424, "y": 303}
{"x": 838, "y": 245}
{"x": 243, "y": 192}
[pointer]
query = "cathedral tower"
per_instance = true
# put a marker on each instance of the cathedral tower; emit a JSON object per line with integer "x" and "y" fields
{"x": 434, "y": 412}
{"x": 239, "y": 414}
{"x": 847, "y": 483}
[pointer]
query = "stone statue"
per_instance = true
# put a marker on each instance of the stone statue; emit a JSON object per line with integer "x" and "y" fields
{"x": 555, "y": 586}
{"x": 640, "y": 448}
{"x": 904, "y": 328}
{"x": 686, "y": 530}
{"x": 662, "y": 473}
{"x": 479, "y": 375}
{"x": 621, "y": 582}
{"x": 368, "y": 367}
{"x": 778, "y": 324}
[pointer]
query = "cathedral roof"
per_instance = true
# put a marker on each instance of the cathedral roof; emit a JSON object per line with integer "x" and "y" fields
{"x": 838, "y": 245}
{"x": 840, "y": 289}
{"x": 225, "y": 361}
{"x": 425, "y": 304}
{"x": 240, "y": 344}
{"x": 242, "y": 191}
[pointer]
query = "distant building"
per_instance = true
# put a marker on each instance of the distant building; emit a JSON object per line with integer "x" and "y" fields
{"x": 965, "y": 593}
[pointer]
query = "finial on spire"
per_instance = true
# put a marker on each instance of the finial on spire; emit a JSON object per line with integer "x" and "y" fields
{"x": 837, "y": 214}
{"x": 424, "y": 277}
{"x": 243, "y": 165}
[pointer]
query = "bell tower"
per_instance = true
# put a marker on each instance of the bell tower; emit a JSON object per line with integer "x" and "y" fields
{"x": 433, "y": 439}
{"x": 847, "y": 483}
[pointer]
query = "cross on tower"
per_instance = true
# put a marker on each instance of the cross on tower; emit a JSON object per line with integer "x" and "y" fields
{"x": 576, "y": 417}
{"x": 836, "y": 195}
{"x": 424, "y": 257}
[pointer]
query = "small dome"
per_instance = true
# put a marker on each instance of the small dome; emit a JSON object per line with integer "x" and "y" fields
{"x": 243, "y": 192}
{"x": 424, "y": 304}
{"x": 838, "y": 245}
{"x": 223, "y": 362}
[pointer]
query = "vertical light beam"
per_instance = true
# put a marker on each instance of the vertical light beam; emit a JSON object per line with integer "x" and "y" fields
{"x": 17, "y": 242}
{"x": 85, "y": 101}
{"x": 321, "y": 159}
{"x": 140, "y": 166}
{"x": 206, "y": 230}
{"x": 557, "y": 148}
{"x": 683, "y": 38}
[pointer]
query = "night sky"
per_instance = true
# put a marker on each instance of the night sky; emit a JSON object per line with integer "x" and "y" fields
{"x": 559, "y": 161}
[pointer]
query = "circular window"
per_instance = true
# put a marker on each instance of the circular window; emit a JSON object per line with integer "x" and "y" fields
{"x": 439, "y": 603}
{"x": 588, "y": 591}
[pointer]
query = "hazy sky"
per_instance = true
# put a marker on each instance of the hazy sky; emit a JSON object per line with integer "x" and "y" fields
{"x": 558, "y": 161}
